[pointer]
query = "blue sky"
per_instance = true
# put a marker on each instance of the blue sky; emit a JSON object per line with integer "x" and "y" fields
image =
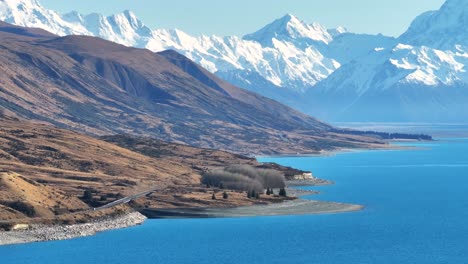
{"x": 239, "y": 17}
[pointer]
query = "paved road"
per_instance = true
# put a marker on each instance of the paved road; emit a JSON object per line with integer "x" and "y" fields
{"x": 126, "y": 199}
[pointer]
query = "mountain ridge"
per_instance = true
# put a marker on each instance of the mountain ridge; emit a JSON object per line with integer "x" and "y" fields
{"x": 99, "y": 87}
{"x": 287, "y": 60}
{"x": 303, "y": 65}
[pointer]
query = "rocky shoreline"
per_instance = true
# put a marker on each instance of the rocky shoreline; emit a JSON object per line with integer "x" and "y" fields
{"x": 38, "y": 233}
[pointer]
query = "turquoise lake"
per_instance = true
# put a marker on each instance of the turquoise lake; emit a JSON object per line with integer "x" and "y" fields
{"x": 416, "y": 211}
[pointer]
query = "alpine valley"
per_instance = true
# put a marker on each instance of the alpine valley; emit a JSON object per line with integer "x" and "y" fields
{"x": 332, "y": 74}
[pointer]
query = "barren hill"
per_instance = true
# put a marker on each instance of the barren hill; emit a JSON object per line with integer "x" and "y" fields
{"x": 98, "y": 87}
{"x": 48, "y": 172}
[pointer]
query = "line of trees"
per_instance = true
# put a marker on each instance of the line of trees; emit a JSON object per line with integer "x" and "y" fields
{"x": 244, "y": 178}
{"x": 385, "y": 135}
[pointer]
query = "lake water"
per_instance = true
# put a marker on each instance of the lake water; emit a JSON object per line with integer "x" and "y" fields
{"x": 416, "y": 212}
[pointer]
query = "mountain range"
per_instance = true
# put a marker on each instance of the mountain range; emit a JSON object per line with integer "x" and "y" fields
{"x": 332, "y": 74}
{"x": 95, "y": 86}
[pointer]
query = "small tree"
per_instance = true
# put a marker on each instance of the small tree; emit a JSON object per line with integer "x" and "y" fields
{"x": 282, "y": 192}
{"x": 249, "y": 194}
{"x": 268, "y": 191}
{"x": 87, "y": 195}
{"x": 225, "y": 195}
{"x": 213, "y": 197}
{"x": 253, "y": 194}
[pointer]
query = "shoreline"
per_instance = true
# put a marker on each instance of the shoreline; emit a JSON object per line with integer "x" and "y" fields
{"x": 330, "y": 153}
{"x": 286, "y": 208}
{"x": 41, "y": 233}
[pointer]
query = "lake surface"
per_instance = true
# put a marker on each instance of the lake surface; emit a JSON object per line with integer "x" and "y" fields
{"x": 416, "y": 212}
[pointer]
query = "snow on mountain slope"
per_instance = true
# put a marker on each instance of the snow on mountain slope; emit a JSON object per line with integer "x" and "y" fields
{"x": 30, "y": 13}
{"x": 287, "y": 53}
{"x": 402, "y": 64}
{"x": 400, "y": 84}
{"x": 290, "y": 28}
{"x": 281, "y": 61}
{"x": 305, "y": 65}
{"x": 414, "y": 58}
{"x": 346, "y": 46}
{"x": 122, "y": 28}
{"x": 441, "y": 29}
{"x": 423, "y": 77}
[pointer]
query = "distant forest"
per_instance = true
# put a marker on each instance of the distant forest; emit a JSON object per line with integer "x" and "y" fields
{"x": 385, "y": 135}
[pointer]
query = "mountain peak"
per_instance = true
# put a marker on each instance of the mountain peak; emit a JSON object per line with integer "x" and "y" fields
{"x": 337, "y": 31}
{"x": 30, "y": 13}
{"x": 289, "y": 18}
{"x": 440, "y": 29}
{"x": 129, "y": 13}
{"x": 455, "y": 3}
{"x": 289, "y": 28}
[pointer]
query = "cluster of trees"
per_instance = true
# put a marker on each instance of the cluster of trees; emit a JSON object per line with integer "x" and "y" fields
{"x": 385, "y": 135}
{"x": 244, "y": 178}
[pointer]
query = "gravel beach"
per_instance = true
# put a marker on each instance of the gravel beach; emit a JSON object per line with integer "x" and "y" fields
{"x": 60, "y": 232}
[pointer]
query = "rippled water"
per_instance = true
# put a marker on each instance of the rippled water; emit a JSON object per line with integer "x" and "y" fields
{"x": 416, "y": 212}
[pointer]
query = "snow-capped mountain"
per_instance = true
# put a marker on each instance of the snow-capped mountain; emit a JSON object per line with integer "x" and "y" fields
{"x": 289, "y": 28}
{"x": 284, "y": 61}
{"x": 124, "y": 28}
{"x": 332, "y": 73}
{"x": 425, "y": 80}
{"x": 287, "y": 53}
{"x": 441, "y": 29}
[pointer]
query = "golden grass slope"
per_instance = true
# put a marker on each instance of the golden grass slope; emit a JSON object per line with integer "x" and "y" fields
{"x": 50, "y": 168}
{"x": 45, "y": 201}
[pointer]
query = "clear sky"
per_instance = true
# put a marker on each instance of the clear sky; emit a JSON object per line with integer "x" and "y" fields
{"x": 239, "y": 17}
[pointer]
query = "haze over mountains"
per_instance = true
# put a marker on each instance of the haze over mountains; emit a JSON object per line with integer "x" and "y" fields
{"x": 330, "y": 73}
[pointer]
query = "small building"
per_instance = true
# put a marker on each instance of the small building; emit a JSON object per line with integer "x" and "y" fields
{"x": 18, "y": 227}
{"x": 304, "y": 176}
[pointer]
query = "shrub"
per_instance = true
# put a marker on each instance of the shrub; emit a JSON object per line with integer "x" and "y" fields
{"x": 225, "y": 195}
{"x": 87, "y": 195}
{"x": 22, "y": 207}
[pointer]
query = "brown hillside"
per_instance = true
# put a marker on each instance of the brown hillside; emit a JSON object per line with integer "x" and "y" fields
{"x": 22, "y": 197}
{"x": 45, "y": 171}
{"x": 98, "y": 87}
{"x": 73, "y": 162}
